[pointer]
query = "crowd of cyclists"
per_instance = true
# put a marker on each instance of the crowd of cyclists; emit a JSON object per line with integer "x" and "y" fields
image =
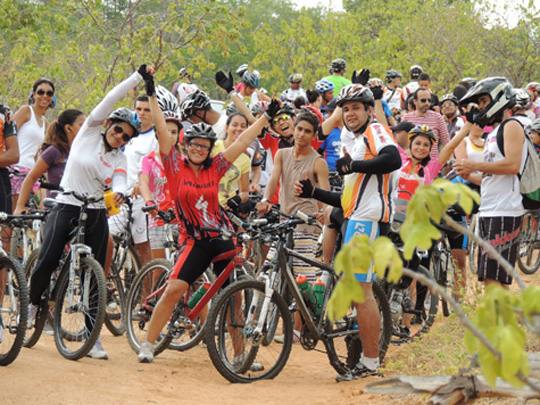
{"x": 176, "y": 150}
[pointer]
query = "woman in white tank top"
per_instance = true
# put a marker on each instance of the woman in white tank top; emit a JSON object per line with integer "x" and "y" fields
{"x": 31, "y": 126}
{"x": 472, "y": 148}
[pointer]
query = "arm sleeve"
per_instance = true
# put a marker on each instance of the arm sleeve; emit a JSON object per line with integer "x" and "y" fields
{"x": 328, "y": 197}
{"x": 387, "y": 161}
{"x": 104, "y": 108}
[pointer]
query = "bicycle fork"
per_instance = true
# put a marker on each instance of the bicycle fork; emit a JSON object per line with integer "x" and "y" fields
{"x": 78, "y": 250}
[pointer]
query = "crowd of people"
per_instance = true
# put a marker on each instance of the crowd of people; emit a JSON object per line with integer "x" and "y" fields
{"x": 177, "y": 150}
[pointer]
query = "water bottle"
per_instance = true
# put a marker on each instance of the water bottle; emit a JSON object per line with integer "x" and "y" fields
{"x": 305, "y": 288}
{"x": 325, "y": 277}
{"x": 109, "y": 202}
{"x": 318, "y": 291}
{"x": 195, "y": 298}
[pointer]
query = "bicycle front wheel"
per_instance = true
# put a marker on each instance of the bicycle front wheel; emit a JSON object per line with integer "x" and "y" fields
{"x": 80, "y": 309}
{"x": 13, "y": 310}
{"x": 529, "y": 245}
{"x": 234, "y": 336}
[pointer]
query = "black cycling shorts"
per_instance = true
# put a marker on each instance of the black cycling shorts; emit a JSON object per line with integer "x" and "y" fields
{"x": 195, "y": 255}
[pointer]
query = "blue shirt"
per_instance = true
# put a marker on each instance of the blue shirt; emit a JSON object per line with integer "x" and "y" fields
{"x": 332, "y": 145}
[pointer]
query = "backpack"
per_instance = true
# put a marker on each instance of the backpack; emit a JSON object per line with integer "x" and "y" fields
{"x": 529, "y": 178}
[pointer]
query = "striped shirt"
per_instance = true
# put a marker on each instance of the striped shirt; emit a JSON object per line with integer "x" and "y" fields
{"x": 435, "y": 121}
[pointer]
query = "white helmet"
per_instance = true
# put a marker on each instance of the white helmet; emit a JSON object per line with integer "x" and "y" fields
{"x": 181, "y": 90}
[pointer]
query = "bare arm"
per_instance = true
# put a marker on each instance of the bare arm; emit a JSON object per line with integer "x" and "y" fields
{"x": 11, "y": 153}
{"x": 379, "y": 113}
{"x": 243, "y": 187}
{"x": 332, "y": 122}
{"x": 22, "y": 116}
{"x": 242, "y": 107}
{"x": 320, "y": 170}
{"x": 144, "y": 188}
{"x": 256, "y": 172}
{"x": 160, "y": 125}
{"x": 271, "y": 186}
{"x": 24, "y": 195}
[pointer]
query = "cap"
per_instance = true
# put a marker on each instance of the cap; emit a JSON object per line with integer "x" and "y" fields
{"x": 403, "y": 126}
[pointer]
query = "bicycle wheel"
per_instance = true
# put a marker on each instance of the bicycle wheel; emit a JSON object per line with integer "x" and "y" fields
{"x": 141, "y": 300}
{"x": 80, "y": 309}
{"x": 33, "y": 333}
{"x": 474, "y": 249}
{"x": 19, "y": 250}
{"x": 13, "y": 309}
{"x": 429, "y": 308}
{"x": 233, "y": 339}
{"x": 343, "y": 343}
{"x": 182, "y": 334}
{"x": 529, "y": 245}
{"x": 116, "y": 300}
{"x": 126, "y": 261}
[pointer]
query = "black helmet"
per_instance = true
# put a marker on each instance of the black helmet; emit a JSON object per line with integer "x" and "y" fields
{"x": 355, "y": 92}
{"x": 392, "y": 74}
{"x": 129, "y": 117}
{"x": 503, "y": 96}
{"x": 415, "y": 71}
{"x": 201, "y": 130}
{"x": 422, "y": 130}
{"x": 450, "y": 97}
{"x": 296, "y": 78}
{"x": 470, "y": 81}
{"x": 338, "y": 65}
{"x": 198, "y": 100}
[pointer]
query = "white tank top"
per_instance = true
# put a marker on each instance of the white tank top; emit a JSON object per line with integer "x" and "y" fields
{"x": 474, "y": 152}
{"x": 30, "y": 137}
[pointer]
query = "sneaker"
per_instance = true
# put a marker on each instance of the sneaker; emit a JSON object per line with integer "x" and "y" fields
{"x": 48, "y": 329}
{"x": 111, "y": 302}
{"x": 146, "y": 353}
{"x": 418, "y": 319}
{"x": 98, "y": 352}
{"x": 32, "y": 311}
{"x": 359, "y": 371}
{"x": 281, "y": 338}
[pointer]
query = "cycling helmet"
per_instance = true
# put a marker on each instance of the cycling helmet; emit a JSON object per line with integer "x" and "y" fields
{"x": 288, "y": 109}
{"x": 533, "y": 86}
{"x": 522, "y": 98}
{"x": 331, "y": 105}
{"x": 392, "y": 74}
{"x": 183, "y": 72}
{"x": 181, "y": 90}
{"x": 250, "y": 79}
{"x": 471, "y": 81}
{"x": 198, "y": 100}
{"x": 165, "y": 99}
{"x": 231, "y": 109}
{"x": 415, "y": 71}
{"x": 314, "y": 111}
{"x": 240, "y": 71}
{"x": 422, "y": 130}
{"x": 130, "y": 117}
{"x": 535, "y": 126}
{"x": 201, "y": 130}
{"x": 450, "y": 97}
{"x": 258, "y": 108}
{"x": 502, "y": 97}
{"x": 338, "y": 65}
{"x": 374, "y": 82}
{"x": 324, "y": 85}
{"x": 355, "y": 92}
{"x": 296, "y": 78}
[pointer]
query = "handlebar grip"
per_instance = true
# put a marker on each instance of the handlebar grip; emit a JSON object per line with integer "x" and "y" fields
{"x": 211, "y": 230}
{"x": 259, "y": 222}
{"x": 149, "y": 208}
{"x": 50, "y": 186}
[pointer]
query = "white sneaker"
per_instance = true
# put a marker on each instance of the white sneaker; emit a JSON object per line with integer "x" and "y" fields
{"x": 48, "y": 329}
{"x": 146, "y": 353}
{"x": 98, "y": 352}
{"x": 32, "y": 311}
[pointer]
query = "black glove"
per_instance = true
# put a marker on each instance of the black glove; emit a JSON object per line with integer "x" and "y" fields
{"x": 148, "y": 80}
{"x": 245, "y": 208}
{"x": 360, "y": 78}
{"x": 307, "y": 189}
{"x": 224, "y": 81}
{"x": 272, "y": 109}
{"x": 344, "y": 165}
{"x": 377, "y": 92}
{"x": 470, "y": 114}
{"x": 234, "y": 202}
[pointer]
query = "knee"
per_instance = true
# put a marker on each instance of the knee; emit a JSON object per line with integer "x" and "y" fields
{"x": 173, "y": 294}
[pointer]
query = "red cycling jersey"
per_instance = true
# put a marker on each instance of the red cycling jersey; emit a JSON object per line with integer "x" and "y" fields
{"x": 196, "y": 198}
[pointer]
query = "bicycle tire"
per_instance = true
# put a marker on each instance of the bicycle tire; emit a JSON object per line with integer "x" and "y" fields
{"x": 528, "y": 245}
{"x": 33, "y": 334}
{"x": 274, "y": 318}
{"x": 114, "y": 316}
{"x": 128, "y": 264}
{"x": 246, "y": 298}
{"x": 345, "y": 354}
{"x": 431, "y": 305}
{"x": 138, "y": 315}
{"x": 15, "y": 248}
{"x": 474, "y": 249}
{"x": 82, "y": 327}
{"x": 14, "y": 313}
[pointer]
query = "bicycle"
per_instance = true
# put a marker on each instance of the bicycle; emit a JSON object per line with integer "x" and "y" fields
{"x": 474, "y": 249}
{"x": 78, "y": 293}
{"x": 248, "y": 313}
{"x": 13, "y": 304}
{"x": 529, "y": 244}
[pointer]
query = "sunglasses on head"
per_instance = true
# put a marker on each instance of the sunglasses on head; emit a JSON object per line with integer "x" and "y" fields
{"x": 281, "y": 118}
{"x": 41, "y": 92}
{"x": 119, "y": 130}
{"x": 424, "y": 100}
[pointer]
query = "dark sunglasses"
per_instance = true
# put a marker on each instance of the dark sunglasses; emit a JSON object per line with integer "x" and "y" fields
{"x": 119, "y": 130}
{"x": 41, "y": 92}
{"x": 424, "y": 100}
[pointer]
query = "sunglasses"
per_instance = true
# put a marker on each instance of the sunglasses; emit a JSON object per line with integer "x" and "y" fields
{"x": 41, "y": 92}
{"x": 119, "y": 130}
{"x": 424, "y": 100}
{"x": 448, "y": 105}
{"x": 281, "y": 118}
{"x": 196, "y": 145}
